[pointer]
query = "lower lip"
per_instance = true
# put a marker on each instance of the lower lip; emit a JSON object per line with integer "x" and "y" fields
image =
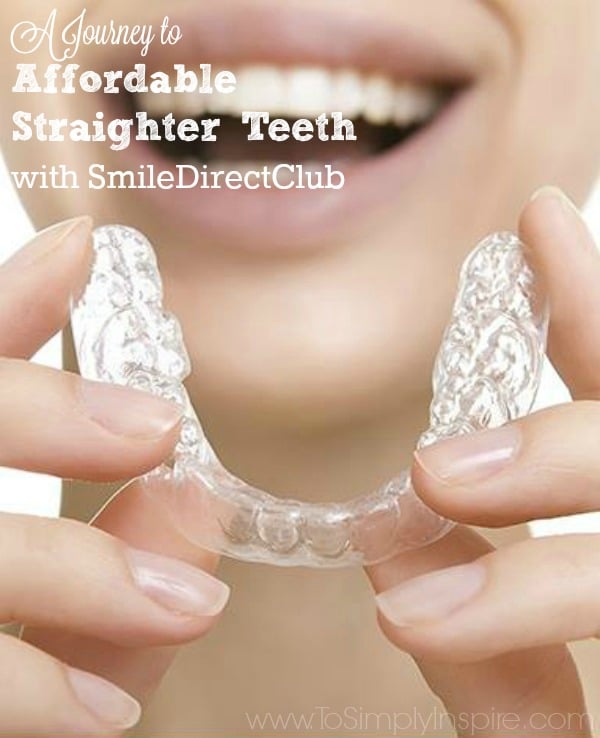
{"x": 296, "y": 219}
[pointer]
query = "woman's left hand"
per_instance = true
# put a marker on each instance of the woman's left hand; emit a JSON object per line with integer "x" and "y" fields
{"x": 511, "y": 609}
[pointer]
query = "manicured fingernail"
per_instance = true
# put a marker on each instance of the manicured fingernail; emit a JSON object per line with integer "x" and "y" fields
{"x": 177, "y": 586}
{"x": 555, "y": 193}
{"x": 432, "y": 596}
{"x": 565, "y": 219}
{"x": 473, "y": 457}
{"x": 48, "y": 240}
{"x": 107, "y": 702}
{"x": 128, "y": 412}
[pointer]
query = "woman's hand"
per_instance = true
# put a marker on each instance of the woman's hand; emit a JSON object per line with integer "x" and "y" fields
{"x": 510, "y": 609}
{"x": 59, "y": 573}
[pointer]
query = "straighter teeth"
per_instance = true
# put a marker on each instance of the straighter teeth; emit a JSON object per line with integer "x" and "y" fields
{"x": 309, "y": 92}
{"x": 261, "y": 88}
{"x": 379, "y": 100}
{"x": 187, "y": 104}
{"x": 296, "y": 92}
{"x": 348, "y": 93}
{"x": 156, "y": 104}
{"x": 413, "y": 104}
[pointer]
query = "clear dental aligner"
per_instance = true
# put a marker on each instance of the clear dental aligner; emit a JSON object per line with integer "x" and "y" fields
{"x": 486, "y": 373}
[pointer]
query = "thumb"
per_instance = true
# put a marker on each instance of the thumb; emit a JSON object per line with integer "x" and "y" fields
{"x": 139, "y": 516}
{"x": 511, "y": 694}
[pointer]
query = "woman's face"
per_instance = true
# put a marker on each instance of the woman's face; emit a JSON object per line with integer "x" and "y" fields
{"x": 314, "y": 310}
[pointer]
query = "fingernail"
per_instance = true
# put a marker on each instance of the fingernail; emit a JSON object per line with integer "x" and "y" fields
{"x": 48, "y": 240}
{"x": 555, "y": 193}
{"x": 473, "y": 457}
{"x": 178, "y": 586}
{"x": 432, "y": 596}
{"x": 107, "y": 702}
{"x": 562, "y": 216}
{"x": 128, "y": 412}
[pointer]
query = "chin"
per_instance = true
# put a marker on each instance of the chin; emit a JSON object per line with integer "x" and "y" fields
{"x": 318, "y": 388}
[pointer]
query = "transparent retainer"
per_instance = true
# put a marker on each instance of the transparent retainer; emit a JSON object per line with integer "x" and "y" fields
{"x": 487, "y": 373}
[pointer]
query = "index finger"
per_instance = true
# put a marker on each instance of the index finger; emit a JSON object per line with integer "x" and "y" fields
{"x": 563, "y": 254}
{"x": 38, "y": 283}
{"x": 481, "y": 697}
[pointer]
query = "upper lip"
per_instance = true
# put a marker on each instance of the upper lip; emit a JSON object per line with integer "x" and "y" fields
{"x": 281, "y": 35}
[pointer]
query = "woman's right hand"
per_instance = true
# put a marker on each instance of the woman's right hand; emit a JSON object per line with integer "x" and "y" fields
{"x": 61, "y": 575}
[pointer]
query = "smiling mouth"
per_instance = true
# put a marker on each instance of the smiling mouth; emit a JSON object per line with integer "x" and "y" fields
{"x": 386, "y": 113}
{"x": 406, "y": 90}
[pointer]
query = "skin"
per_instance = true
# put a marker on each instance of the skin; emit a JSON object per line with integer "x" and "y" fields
{"x": 364, "y": 399}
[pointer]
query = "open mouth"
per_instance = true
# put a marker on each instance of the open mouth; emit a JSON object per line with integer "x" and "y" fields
{"x": 405, "y": 89}
{"x": 386, "y": 112}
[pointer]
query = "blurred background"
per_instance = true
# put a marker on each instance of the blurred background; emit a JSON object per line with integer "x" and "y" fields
{"x": 40, "y": 495}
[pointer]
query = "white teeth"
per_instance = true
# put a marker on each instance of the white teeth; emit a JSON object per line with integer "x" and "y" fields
{"x": 188, "y": 104}
{"x": 155, "y": 104}
{"x": 217, "y": 103}
{"x": 414, "y": 104}
{"x": 348, "y": 93}
{"x": 430, "y": 100}
{"x": 379, "y": 100}
{"x": 309, "y": 92}
{"x": 299, "y": 92}
{"x": 261, "y": 88}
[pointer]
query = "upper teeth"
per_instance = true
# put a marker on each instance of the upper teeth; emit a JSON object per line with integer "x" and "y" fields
{"x": 307, "y": 92}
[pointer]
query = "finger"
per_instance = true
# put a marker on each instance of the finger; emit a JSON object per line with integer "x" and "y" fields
{"x": 139, "y": 515}
{"x": 42, "y": 697}
{"x": 563, "y": 254}
{"x": 535, "y": 593}
{"x": 64, "y": 574}
{"x": 61, "y": 424}
{"x": 38, "y": 283}
{"x": 526, "y": 685}
{"x": 541, "y": 466}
